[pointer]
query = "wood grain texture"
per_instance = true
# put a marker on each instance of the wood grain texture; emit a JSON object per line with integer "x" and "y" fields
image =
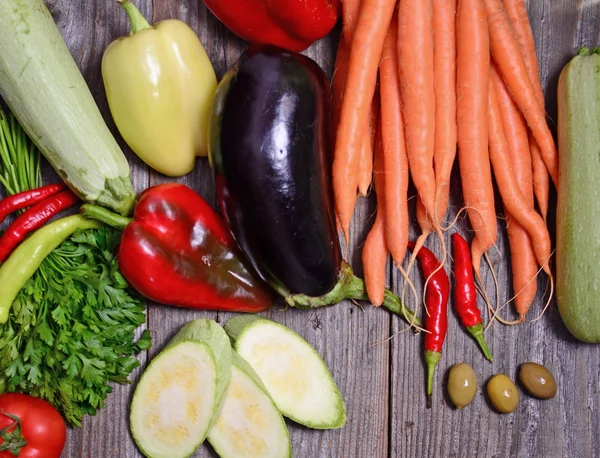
{"x": 382, "y": 383}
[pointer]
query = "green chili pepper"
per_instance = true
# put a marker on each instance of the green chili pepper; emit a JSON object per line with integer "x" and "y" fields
{"x": 25, "y": 260}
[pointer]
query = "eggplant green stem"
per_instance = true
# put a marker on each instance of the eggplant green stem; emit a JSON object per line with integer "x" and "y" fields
{"x": 431, "y": 360}
{"x": 477, "y": 332}
{"x": 137, "y": 19}
{"x": 349, "y": 286}
{"x": 105, "y": 216}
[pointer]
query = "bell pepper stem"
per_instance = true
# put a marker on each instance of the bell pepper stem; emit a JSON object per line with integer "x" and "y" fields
{"x": 105, "y": 216}
{"x": 477, "y": 332}
{"x": 349, "y": 286}
{"x": 137, "y": 19}
{"x": 431, "y": 360}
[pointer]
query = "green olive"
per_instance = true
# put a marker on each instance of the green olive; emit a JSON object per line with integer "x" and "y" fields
{"x": 537, "y": 380}
{"x": 503, "y": 393}
{"x": 462, "y": 385}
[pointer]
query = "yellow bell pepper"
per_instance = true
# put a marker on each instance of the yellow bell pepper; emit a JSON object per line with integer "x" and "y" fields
{"x": 159, "y": 85}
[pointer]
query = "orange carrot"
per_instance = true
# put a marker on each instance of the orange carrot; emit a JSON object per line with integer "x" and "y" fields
{"x": 365, "y": 173}
{"x": 375, "y": 250}
{"x": 424, "y": 222}
{"x": 372, "y": 25}
{"x": 515, "y": 134}
{"x": 415, "y": 64}
{"x": 350, "y": 12}
{"x": 472, "y": 87}
{"x": 394, "y": 149}
{"x": 444, "y": 64}
{"x": 517, "y": 14}
{"x": 340, "y": 74}
{"x": 338, "y": 82}
{"x": 338, "y": 225}
{"x": 523, "y": 261}
{"x": 519, "y": 21}
{"x": 507, "y": 54}
{"x": 508, "y": 186}
{"x": 541, "y": 183}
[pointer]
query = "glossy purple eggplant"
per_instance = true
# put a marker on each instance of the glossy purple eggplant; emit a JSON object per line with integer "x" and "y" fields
{"x": 270, "y": 149}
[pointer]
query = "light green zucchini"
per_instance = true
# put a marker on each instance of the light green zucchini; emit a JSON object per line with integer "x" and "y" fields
{"x": 249, "y": 425}
{"x": 40, "y": 82}
{"x": 578, "y": 213}
{"x": 179, "y": 394}
{"x": 296, "y": 376}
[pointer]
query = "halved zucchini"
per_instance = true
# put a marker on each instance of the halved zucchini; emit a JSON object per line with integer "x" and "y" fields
{"x": 249, "y": 425}
{"x": 176, "y": 399}
{"x": 293, "y": 372}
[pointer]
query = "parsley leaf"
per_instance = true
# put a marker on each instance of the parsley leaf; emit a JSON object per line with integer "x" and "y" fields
{"x": 72, "y": 327}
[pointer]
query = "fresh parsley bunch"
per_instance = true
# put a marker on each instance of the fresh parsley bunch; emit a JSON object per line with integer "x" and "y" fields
{"x": 72, "y": 328}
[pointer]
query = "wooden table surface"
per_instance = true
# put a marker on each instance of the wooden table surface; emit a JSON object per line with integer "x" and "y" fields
{"x": 382, "y": 383}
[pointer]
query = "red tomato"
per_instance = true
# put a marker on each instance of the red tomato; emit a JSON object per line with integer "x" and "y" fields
{"x": 41, "y": 426}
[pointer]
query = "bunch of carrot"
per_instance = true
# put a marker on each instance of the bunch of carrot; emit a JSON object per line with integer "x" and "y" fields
{"x": 417, "y": 80}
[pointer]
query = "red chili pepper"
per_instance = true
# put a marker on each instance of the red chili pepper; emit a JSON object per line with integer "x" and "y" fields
{"x": 26, "y": 199}
{"x": 34, "y": 218}
{"x": 177, "y": 250}
{"x": 465, "y": 293}
{"x": 288, "y": 24}
{"x": 436, "y": 321}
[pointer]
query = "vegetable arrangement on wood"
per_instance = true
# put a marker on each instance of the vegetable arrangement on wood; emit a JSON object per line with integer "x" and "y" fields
{"x": 441, "y": 46}
{"x": 456, "y": 80}
{"x": 417, "y": 86}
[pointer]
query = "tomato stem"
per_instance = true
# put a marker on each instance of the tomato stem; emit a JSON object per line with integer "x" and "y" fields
{"x": 12, "y": 440}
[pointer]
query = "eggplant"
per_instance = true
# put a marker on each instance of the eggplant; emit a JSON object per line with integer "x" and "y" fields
{"x": 271, "y": 153}
{"x": 272, "y": 166}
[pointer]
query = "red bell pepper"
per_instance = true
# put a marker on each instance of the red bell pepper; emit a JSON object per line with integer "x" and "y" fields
{"x": 177, "y": 250}
{"x": 288, "y": 24}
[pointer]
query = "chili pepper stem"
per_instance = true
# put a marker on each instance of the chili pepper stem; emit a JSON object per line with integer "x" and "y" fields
{"x": 477, "y": 332}
{"x": 137, "y": 19}
{"x": 105, "y": 216}
{"x": 431, "y": 360}
{"x": 349, "y": 286}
